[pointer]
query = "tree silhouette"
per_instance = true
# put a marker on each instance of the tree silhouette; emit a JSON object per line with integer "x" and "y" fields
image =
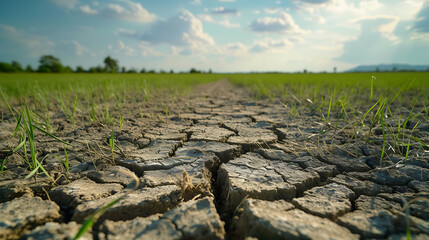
{"x": 111, "y": 64}
{"x": 49, "y": 63}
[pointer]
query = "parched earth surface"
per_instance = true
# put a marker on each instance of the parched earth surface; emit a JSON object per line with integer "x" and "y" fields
{"x": 218, "y": 165}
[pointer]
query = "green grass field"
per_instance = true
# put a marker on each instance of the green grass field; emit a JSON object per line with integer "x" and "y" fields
{"x": 351, "y": 92}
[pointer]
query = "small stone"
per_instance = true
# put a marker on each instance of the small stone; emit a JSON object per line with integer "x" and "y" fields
{"x": 113, "y": 174}
{"x": 265, "y": 220}
{"x": 22, "y": 213}
{"x": 329, "y": 201}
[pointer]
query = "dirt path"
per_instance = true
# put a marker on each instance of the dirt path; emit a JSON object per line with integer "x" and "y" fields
{"x": 217, "y": 165}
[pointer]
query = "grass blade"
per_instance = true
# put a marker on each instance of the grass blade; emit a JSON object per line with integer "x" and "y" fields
{"x": 369, "y": 110}
{"x": 2, "y": 164}
{"x": 18, "y": 122}
{"x": 32, "y": 173}
{"x": 7, "y": 103}
{"x": 20, "y": 145}
{"x": 50, "y": 135}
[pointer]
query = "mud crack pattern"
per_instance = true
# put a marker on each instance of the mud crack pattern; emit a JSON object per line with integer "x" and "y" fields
{"x": 219, "y": 165}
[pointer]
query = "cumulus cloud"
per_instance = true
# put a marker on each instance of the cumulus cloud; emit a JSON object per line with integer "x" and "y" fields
{"x": 225, "y": 11}
{"x": 224, "y": 22}
{"x": 88, "y": 10}
{"x": 31, "y": 45}
{"x": 183, "y": 29}
{"x": 79, "y": 49}
{"x": 235, "y": 48}
{"x": 270, "y": 45}
{"x": 126, "y": 50}
{"x": 284, "y": 23}
{"x": 125, "y": 10}
{"x": 272, "y": 10}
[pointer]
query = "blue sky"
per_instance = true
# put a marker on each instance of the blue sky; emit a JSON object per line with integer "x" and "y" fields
{"x": 223, "y": 35}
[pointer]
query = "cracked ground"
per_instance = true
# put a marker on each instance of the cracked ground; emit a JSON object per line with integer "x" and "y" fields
{"x": 217, "y": 164}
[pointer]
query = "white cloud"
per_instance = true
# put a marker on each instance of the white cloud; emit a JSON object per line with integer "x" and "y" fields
{"x": 67, "y": 4}
{"x": 126, "y": 32}
{"x": 147, "y": 50}
{"x": 270, "y": 45}
{"x": 284, "y": 23}
{"x": 235, "y": 49}
{"x": 87, "y": 10}
{"x": 272, "y": 10}
{"x": 128, "y": 51}
{"x": 225, "y": 22}
{"x": 182, "y": 30}
{"x": 79, "y": 50}
{"x": 33, "y": 45}
{"x": 126, "y": 11}
{"x": 225, "y": 11}
{"x": 196, "y": 2}
{"x": 226, "y": 0}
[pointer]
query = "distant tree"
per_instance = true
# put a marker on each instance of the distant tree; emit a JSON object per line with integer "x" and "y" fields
{"x": 377, "y": 69}
{"x": 17, "y": 66}
{"x": 67, "y": 69}
{"x": 111, "y": 64}
{"x": 171, "y": 71}
{"x": 151, "y": 71}
{"x": 394, "y": 69}
{"x": 143, "y": 70}
{"x": 162, "y": 71}
{"x": 49, "y": 63}
{"x": 335, "y": 69}
{"x": 29, "y": 69}
{"x": 210, "y": 71}
{"x": 305, "y": 71}
{"x": 79, "y": 69}
{"x": 92, "y": 70}
{"x": 100, "y": 69}
{"x": 193, "y": 70}
{"x": 6, "y": 67}
{"x": 124, "y": 70}
{"x": 132, "y": 70}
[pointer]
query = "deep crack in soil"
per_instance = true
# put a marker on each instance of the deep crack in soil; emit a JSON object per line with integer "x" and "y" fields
{"x": 217, "y": 165}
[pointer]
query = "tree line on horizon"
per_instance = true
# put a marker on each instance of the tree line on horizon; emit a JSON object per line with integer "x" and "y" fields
{"x": 51, "y": 64}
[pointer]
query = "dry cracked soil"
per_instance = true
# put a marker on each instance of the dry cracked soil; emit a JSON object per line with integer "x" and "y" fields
{"x": 219, "y": 165}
